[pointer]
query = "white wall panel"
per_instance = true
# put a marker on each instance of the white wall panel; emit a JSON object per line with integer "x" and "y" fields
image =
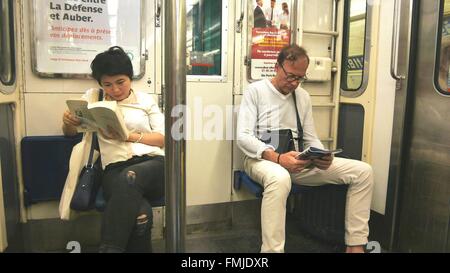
{"x": 208, "y": 162}
{"x": 384, "y": 110}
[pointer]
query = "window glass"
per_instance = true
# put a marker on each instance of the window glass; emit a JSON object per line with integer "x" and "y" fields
{"x": 204, "y": 37}
{"x": 7, "y": 66}
{"x": 269, "y": 28}
{"x": 354, "y": 44}
{"x": 443, "y": 77}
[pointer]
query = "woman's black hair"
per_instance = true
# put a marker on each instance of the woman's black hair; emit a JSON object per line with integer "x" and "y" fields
{"x": 112, "y": 62}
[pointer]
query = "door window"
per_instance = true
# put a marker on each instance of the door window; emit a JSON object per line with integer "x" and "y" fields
{"x": 205, "y": 37}
{"x": 353, "y": 62}
{"x": 442, "y": 79}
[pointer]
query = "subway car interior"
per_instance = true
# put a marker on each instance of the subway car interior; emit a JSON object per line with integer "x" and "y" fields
{"x": 379, "y": 82}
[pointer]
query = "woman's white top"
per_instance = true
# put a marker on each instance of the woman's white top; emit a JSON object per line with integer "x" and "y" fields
{"x": 141, "y": 114}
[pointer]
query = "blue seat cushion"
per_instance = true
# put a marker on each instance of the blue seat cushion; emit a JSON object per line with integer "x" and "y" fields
{"x": 45, "y": 164}
{"x": 241, "y": 178}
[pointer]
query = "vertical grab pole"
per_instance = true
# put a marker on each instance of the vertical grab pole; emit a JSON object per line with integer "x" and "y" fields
{"x": 296, "y": 22}
{"x": 395, "y": 41}
{"x": 175, "y": 82}
{"x": 334, "y": 29}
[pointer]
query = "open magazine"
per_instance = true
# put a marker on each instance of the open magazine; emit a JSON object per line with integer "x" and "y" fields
{"x": 313, "y": 153}
{"x": 105, "y": 115}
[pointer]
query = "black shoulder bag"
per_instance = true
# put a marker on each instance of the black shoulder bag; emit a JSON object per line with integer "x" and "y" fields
{"x": 90, "y": 178}
{"x": 282, "y": 139}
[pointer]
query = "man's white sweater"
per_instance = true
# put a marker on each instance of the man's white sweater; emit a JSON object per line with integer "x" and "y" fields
{"x": 264, "y": 108}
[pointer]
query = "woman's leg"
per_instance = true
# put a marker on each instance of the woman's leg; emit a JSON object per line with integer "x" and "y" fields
{"x": 149, "y": 177}
{"x": 125, "y": 198}
{"x": 141, "y": 237}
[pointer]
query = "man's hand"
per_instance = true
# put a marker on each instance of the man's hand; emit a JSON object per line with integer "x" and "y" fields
{"x": 292, "y": 164}
{"x": 323, "y": 163}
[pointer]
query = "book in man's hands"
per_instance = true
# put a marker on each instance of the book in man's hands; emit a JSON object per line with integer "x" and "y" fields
{"x": 313, "y": 153}
{"x": 105, "y": 115}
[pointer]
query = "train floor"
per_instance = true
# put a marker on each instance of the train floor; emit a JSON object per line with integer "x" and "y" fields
{"x": 230, "y": 240}
{"x": 249, "y": 241}
{"x": 241, "y": 234}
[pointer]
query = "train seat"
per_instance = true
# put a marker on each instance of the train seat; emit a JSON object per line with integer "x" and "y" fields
{"x": 45, "y": 164}
{"x": 241, "y": 178}
{"x": 319, "y": 210}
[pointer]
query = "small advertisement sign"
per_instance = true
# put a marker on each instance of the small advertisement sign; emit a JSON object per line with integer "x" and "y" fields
{"x": 266, "y": 44}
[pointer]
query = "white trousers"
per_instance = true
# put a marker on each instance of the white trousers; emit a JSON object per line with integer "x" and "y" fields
{"x": 276, "y": 181}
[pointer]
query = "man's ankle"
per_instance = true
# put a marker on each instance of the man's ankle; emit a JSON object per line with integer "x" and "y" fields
{"x": 355, "y": 249}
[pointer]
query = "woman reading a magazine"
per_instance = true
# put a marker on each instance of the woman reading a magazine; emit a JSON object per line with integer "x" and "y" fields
{"x": 134, "y": 167}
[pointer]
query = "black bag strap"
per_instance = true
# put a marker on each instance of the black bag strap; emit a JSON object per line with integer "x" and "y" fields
{"x": 100, "y": 94}
{"x": 94, "y": 143}
{"x": 91, "y": 153}
{"x": 299, "y": 124}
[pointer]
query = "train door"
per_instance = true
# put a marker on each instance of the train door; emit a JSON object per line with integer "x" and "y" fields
{"x": 9, "y": 116}
{"x": 367, "y": 99}
{"x": 390, "y": 44}
{"x": 372, "y": 103}
{"x": 424, "y": 194}
{"x": 411, "y": 212}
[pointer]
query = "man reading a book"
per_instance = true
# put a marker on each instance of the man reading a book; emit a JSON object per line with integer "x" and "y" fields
{"x": 127, "y": 219}
{"x": 281, "y": 103}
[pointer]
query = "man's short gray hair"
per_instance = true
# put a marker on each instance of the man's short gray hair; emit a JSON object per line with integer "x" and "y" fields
{"x": 292, "y": 53}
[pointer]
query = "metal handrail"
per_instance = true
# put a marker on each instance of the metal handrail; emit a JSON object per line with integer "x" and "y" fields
{"x": 320, "y": 32}
{"x": 395, "y": 41}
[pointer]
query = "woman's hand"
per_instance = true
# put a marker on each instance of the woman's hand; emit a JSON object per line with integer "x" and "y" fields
{"x": 70, "y": 120}
{"x": 136, "y": 137}
{"x": 70, "y": 123}
{"x": 152, "y": 139}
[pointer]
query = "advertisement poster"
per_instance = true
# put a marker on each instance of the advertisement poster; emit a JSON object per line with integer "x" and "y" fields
{"x": 270, "y": 33}
{"x": 266, "y": 44}
{"x": 69, "y": 33}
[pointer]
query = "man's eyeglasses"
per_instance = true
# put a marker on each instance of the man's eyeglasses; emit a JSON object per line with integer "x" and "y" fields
{"x": 292, "y": 78}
